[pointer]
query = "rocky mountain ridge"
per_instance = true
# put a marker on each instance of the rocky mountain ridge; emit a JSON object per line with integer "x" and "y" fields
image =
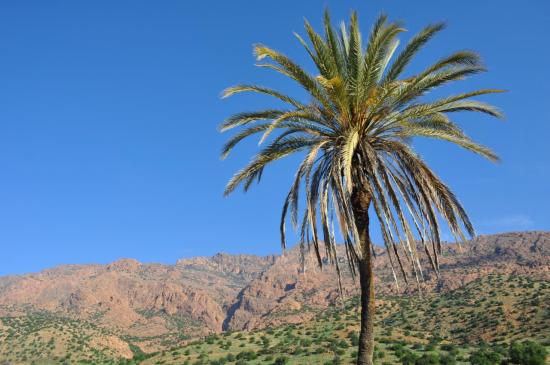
{"x": 233, "y": 292}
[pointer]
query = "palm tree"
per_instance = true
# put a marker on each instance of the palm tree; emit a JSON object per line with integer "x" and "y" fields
{"x": 354, "y": 132}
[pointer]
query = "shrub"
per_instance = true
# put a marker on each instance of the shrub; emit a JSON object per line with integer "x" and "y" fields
{"x": 527, "y": 353}
{"x": 429, "y": 347}
{"x": 447, "y": 360}
{"x": 428, "y": 359}
{"x": 354, "y": 338}
{"x": 247, "y": 355}
{"x": 449, "y": 347}
{"x": 281, "y": 360}
{"x": 408, "y": 357}
{"x": 343, "y": 344}
{"x": 484, "y": 357}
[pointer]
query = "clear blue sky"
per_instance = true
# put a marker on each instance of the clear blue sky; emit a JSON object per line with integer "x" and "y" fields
{"x": 109, "y": 109}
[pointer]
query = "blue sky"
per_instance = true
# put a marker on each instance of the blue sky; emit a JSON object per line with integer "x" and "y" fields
{"x": 108, "y": 116}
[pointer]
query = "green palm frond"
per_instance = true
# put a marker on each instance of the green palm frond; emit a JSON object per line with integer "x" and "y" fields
{"x": 416, "y": 43}
{"x": 353, "y": 132}
{"x": 261, "y": 90}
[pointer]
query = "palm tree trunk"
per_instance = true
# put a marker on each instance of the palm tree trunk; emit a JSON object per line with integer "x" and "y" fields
{"x": 361, "y": 202}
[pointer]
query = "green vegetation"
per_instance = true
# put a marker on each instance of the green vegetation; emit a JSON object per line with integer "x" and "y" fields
{"x": 46, "y": 338}
{"x": 506, "y": 319}
{"x": 528, "y": 353}
{"x": 496, "y": 308}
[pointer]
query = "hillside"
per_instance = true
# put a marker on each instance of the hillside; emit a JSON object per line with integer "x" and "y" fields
{"x": 496, "y": 309}
{"x": 122, "y": 309}
{"x": 406, "y": 328}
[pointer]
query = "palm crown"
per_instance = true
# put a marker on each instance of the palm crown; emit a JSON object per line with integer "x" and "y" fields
{"x": 355, "y": 134}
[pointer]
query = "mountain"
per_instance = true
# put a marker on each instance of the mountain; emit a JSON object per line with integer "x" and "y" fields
{"x": 190, "y": 298}
{"x": 480, "y": 320}
{"x": 284, "y": 288}
{"x": 128, "y": 306}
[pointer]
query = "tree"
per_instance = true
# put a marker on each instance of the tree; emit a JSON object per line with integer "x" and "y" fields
{"x": 484, "y": 356}
{"x": 281, "y": 360}
{"x": 528, "y": 353}
{"x": 408, "y": 357}
{"x": 428, "y": 359}
{"x": 354, "y": 132}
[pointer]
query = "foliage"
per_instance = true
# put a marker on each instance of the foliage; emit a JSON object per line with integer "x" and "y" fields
{"x": 528, "y": 353}
{"x": 281, "y": 360}
{"x": 355, "y": 131}
{"x": 428, "y": 359}
{"x": 484, "y": 356}
{"x": 325, "y": 339}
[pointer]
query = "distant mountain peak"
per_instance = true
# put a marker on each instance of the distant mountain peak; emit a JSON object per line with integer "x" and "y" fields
{"x": 124, "y": 265}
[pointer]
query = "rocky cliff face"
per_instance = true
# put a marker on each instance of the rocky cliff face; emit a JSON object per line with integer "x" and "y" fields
{"x": 210, "y": 294}
{"x": 283, "y": 293}
{"x": 140, "y": 299}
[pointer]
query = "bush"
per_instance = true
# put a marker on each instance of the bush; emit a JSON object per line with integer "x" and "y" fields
{"x": 484, "y": 357}
{"x": 408, "y": 357}
{"x": 281, "y": 360}
{"x": 429, "y": 347}
{"x": 527, "y": 353}
{"x": 343, "y": 344}
{"x": 354, "y": 338}
{"x": 449, "y": 347}
{"x": 246, "y": 355}
{"x": 447, "y": 360}
{"x": 428, "y": 359}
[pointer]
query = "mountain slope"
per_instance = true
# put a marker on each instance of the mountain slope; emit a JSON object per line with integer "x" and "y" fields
{"x": 157, "y": 306}
{"x": 145, "y": 300}
{"x": 284, "y": 287}
{"x": 447, "y": 327}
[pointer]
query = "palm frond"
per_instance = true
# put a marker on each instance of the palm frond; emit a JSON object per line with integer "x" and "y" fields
{"x": 416, "y": 43}
{"x": 353, "y": 131}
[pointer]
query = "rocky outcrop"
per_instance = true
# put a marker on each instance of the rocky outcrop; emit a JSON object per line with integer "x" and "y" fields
{"x": 231, "y": 292}
{"x": 276, "y": 294}
{"x": 138, "y": 298}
